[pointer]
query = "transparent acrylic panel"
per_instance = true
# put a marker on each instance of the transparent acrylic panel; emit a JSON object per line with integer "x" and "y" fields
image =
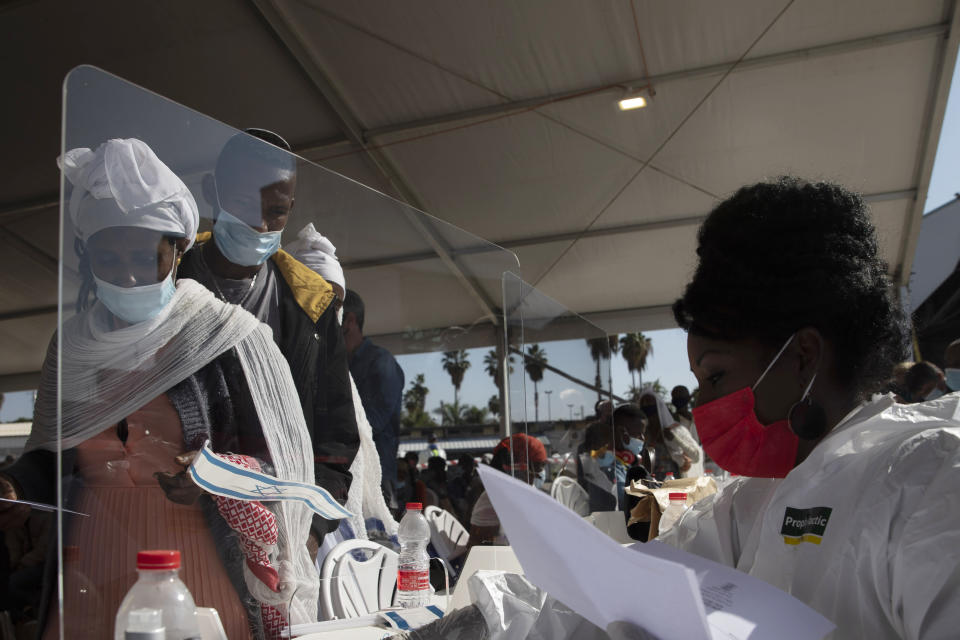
{"x": 559, "y": 392}
{"x": 246, "y": 353}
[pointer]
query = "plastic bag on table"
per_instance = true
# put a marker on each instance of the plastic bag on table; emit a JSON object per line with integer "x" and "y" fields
{"x": 515, "y": 609}
{"x": 467, "y": 623}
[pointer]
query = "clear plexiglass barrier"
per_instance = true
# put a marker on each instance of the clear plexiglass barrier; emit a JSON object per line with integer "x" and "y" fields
{"x": 559, "y": 388}
{"x": 215, "y": 364}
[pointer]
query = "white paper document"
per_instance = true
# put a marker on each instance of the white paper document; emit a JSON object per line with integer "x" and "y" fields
{"x": 741, "y": 606}
{"x": 669, "y": 593}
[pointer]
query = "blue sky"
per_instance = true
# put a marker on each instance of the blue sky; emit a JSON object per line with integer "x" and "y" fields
{"x": 669, "y": 362}
{"x": 944, "y": 181}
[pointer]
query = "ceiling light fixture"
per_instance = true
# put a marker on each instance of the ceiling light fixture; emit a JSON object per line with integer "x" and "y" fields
{"x": 633, "y": 99}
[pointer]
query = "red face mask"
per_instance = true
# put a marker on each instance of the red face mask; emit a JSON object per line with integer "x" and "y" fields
{"x": 736, "y": 440}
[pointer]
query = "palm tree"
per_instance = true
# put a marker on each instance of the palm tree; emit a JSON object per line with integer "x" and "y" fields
{"x": 493, "y": 405}
{"x": 602, "y": 349}
{"x": 415, "y": 398}
{"x": 535, "y": 363}
{"x": 491, "y": 364}
{"x": 414, "y": 402}
{"x": 452, "y": 413}
{"x": 475, "y": 415}
{"x": 635, "y": 348}
{"x": 456, "y": 364}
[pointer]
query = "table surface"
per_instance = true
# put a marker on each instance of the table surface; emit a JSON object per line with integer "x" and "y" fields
{"x": 367, "y": 632}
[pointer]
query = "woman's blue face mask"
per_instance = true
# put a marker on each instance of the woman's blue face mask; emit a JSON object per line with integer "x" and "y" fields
{"x": 136, "y": 304}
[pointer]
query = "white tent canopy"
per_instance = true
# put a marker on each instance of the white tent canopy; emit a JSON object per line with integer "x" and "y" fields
{"x": 500, "y": 118}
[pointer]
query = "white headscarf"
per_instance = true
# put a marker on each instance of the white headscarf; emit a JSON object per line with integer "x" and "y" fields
{"x": 124, "y": 184}
{"x": 317, "y": 252}
{"x": 107, "y": 374}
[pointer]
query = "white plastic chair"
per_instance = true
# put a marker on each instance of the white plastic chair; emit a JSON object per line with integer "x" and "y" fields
{"x": 570, "y": 494}
{"x": 351, "y": 587}
{"x": 447, "y": 535}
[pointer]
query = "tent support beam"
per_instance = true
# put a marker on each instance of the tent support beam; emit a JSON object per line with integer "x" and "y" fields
{"x": 834, "y": 48}
{"x": 355, "y": 132}
{"x": 636, "y": 227}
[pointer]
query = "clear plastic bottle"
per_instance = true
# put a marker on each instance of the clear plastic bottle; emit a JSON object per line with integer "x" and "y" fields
{"x": 413, "y": 574}
{"x": 159, "y": 588}
{"x": 673, "y": 513}
{"x": 145, "y": 624}
{"x": 669, "y": 476}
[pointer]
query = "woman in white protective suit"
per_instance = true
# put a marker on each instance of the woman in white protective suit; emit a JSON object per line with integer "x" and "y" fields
{"x": 851, "y": 501}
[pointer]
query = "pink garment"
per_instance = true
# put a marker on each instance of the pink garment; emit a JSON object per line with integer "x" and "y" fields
{"x": 128, "y": 512}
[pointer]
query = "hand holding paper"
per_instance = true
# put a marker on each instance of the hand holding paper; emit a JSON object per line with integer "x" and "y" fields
{"x": 666, "y": 591}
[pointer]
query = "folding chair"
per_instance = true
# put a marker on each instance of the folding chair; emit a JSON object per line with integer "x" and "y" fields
{"x": 570, "y": 494}
{"x": 447, "y": 535}
{"x": 350, "y": 587}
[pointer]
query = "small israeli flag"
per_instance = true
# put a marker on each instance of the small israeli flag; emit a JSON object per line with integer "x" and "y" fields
{"x": 220, "y": 477}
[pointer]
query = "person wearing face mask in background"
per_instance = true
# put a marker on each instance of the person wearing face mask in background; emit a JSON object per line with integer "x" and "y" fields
{"x": 680, "y": 398}
{"x": 925, "y": 381}
{"x": 951, "y": 362}
{"x": 674, "y": 449}
{"x": 251, "y": 191}
{"x": 596, "y": 472}
{"x": 521, "y": 456}
{"x": 849, "y": 503}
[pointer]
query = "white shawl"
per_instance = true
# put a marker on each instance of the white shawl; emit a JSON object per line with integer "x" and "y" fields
{"x": 108, "y": 374}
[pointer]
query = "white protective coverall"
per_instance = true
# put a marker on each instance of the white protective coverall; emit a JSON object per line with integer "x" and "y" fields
{"x": 866, "y": 530}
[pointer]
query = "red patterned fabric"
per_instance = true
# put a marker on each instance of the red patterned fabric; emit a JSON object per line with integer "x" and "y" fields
{"x": 257, "y": 527}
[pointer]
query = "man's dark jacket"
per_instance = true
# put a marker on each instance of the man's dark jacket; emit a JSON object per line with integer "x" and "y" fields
{"x": 312, "y": 343}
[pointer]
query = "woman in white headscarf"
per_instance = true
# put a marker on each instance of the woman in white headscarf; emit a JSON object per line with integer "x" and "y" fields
{"x": 365, "y": 498}
{"x": 673, "y": 446}
{"x": 149, "y": 371}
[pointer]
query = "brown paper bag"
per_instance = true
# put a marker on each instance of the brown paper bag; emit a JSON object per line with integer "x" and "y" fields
{"x": 654, "y": 501}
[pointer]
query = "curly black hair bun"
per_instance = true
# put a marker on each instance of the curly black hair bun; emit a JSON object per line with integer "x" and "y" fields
{"x": 781, "y": 255}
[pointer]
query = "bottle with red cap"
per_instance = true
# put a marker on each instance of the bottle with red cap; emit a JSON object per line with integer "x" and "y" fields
{"x": 413, "y": 573}
{"x": 158, "y": 606}
{"x": 673, "y": 513}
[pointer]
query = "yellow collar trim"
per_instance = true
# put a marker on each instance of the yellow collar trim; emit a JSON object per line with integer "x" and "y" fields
{"x": 312, "y": 293}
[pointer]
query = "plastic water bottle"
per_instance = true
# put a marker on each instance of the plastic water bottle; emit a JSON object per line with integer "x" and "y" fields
{"x": 678, "y": 504}
{"x": 159, "y": 589}
{"x": 145, "y": 624}
{"x": 413, "y": 574}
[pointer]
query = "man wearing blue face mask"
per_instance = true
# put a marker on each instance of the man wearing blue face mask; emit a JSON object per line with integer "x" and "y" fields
{"x": 925, "y": 381}
{"x": 252, "y": 192}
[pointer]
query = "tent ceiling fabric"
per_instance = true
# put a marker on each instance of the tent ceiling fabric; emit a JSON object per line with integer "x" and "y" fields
{"x": 500, "y": 118}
